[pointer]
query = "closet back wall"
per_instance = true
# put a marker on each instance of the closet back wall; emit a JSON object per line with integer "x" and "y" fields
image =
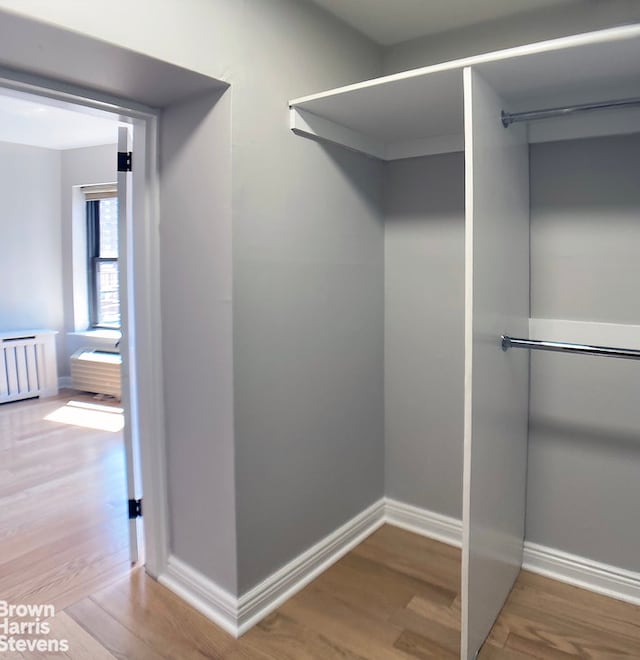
{"x": 584, "y": 443}
{"x": 424, "y": 331}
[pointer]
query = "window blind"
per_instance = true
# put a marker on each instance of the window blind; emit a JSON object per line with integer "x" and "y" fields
{"x": 103, "y": 191}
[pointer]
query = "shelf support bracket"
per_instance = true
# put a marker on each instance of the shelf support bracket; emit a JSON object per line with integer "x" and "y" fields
{"x": 312, "y": 126}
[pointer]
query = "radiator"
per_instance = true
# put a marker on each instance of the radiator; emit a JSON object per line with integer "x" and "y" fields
{"x": 28, "y": 366}
{"x": 97, "y": 371}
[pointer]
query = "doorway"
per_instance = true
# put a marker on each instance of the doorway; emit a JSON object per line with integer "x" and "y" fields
{"x": 70, "y": 486}
{"x": 177, "y": 466}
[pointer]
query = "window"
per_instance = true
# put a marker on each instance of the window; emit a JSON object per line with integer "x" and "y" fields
{"x": 102, "y": 243}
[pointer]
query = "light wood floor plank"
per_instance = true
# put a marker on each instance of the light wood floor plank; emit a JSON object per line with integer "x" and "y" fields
{"x": 419, "y": 646}
{"x": 414, "y": 556}
{"x": 280, "y": 637}
{"x": 82, "y": 646}
{"x": 164, "y": 622}
{"x": 446, "y": 614}
{"x": 444, "y": 636}
{"x": 590, "y": 608}
{"x": 543, "y": 618}
{"x": 333, "y": 616}
{"x": 121, "y": 642}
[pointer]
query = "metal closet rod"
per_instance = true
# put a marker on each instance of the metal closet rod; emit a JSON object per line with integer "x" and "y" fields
{"x": 509, "y": 118}
{"x": 565, "y": 347}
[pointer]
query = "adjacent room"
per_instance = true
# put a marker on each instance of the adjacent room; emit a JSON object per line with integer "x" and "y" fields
{"x": 63, "y": 487}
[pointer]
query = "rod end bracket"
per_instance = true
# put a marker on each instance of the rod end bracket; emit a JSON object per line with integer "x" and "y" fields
{"x": 505, "y": 342}
{"x": 505, "y": 118}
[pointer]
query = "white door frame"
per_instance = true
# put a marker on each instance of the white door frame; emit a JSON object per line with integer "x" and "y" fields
{"x": 144, "y": 283}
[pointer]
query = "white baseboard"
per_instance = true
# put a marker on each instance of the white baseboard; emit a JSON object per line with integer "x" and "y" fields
{"x": 424, "y": 522}
{"x": 206, "y": 596}
{"x": 291, "y": 578}
{"x": 595, "y": 576}
{"x": 64, "y": 382}
{"x": 237, "y": 615}
{"x": 579, "y": 571}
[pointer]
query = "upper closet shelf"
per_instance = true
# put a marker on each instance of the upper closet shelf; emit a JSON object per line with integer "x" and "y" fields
{"x": 421, "y": 112}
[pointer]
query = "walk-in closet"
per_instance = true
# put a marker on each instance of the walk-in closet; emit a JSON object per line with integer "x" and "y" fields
{"x": 512, "y": 334}
{"x": 386, "y": 318}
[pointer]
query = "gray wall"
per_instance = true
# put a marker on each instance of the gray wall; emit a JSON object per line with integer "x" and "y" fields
{"x": 197, "y": 332}
{"x": 308, "y": 296}
{"x": 538, "y": 25}
{"x": 424, "y": 331}
{"x": 584, "y": 444}
{"x": 36, "y": 188}
{"x": 585, "y": 200}
{"x": 30, "y": 238}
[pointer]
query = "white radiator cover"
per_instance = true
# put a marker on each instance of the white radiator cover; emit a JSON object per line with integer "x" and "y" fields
{"x": 28, "y": 367}
{"x": 97, "y": 371}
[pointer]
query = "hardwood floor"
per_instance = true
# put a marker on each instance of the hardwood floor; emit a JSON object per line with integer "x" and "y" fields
{"x": 394, "y": 596}
{"x": 63, "y": 540}
{"x": 547, "y": 619}
{"x": 63, "y": 524}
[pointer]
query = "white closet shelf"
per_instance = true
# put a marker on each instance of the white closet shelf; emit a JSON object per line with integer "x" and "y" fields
{"x": 420, "y": 112}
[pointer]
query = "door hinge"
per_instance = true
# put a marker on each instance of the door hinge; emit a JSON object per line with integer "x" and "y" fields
{"x": 124, "y": 161}
{"x": 135, "y": 509}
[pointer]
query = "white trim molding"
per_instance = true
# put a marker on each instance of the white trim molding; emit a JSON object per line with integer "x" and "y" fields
{"x": 582, "y": 572}
{"x": 310, "y": 125}
{"x": 202, "y": 594}
{"x": 291, "y": 578}
{"x": 64, "y": 382}
{"x": 238, "y": 615}
{"x": 424, "y": 522}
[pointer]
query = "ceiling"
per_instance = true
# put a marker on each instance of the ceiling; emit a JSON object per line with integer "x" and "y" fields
{"x": 30, "y": 120}
{"x": 389, "y": 22}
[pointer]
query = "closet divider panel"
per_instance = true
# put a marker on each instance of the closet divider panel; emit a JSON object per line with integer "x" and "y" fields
{"x": 496, "y": 383}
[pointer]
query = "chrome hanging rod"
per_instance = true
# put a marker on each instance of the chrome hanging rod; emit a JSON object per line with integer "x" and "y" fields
{"x": 564, "y": 347}
{"x": 509, "y": 118}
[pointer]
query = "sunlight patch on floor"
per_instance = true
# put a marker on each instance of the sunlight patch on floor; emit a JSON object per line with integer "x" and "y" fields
{"x": 89, "y": 415}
